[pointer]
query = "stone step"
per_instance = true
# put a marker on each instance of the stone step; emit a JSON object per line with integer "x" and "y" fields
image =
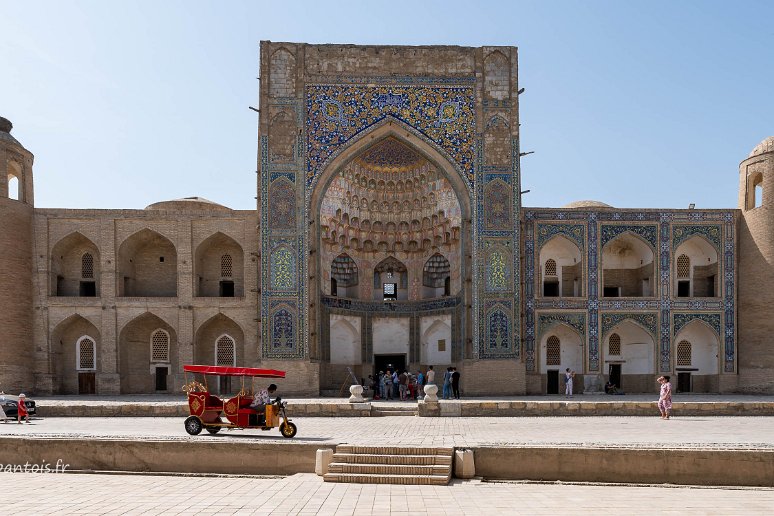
{"x": 388, "y": 469}
{"x": 388, "y": 412}
{"x": 354, "y": 478}
{"x": 414, "y": 460}
{"x": 394, "y": 450}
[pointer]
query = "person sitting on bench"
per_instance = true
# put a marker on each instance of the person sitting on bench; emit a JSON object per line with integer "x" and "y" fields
{"x": 262, "y": 399}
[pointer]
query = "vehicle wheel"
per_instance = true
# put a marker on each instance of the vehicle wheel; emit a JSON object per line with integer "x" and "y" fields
{"x": 288, "y": 429}
{"x": 212, "y": 429}
{"x": 193, "y": 425}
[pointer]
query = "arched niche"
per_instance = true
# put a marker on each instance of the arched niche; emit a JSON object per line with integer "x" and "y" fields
{"x": 704, "y": 364}
{"x": 69, "y": 378}
{"x": 435, "y": 340}
{"x": 344, "y": 277}
{"x": 219, "y": 267}
{"x": 139, "y": 372}
{"x": 75, "y": 267}
{"x": 436, "y": 277}
{"x": 224, "y": 329}
{"x": 570, "y": 349}
{"x": 633, "y": 367}
{"x": 345, "y": 340}
{"x": 696, "y": 269}
{"x": 561, "y": 268}
{"x": 147, "y": 266}
{"x": 390, "y": 279}
{"x": 628, "y": 268}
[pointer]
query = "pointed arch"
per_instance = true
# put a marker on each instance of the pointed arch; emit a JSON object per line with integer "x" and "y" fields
{"x": 69, "y": 276}
{"x": 136, "y": 347}
{"x": 628, "y": 263}
{"x": 209, "y": 331}
{"x": 147, "y": 265}
{"x": 497, "y": 71}
{"x": 63, "y": 359}
{"x": 282, "y": 65}
{"x": 217, "y": 254}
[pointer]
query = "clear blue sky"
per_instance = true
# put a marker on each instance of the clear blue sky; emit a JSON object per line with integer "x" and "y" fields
{"x": 637, "y": 104}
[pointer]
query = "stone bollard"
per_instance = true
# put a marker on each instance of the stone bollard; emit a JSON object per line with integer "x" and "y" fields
{"x": 323, "y": 459}
{"x": 464, "y": 465}
{"x": 431, "y": 393}
{"x": 356, "y": 392}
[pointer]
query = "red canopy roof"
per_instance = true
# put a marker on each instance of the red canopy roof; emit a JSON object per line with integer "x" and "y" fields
{"x": 233, "y": 371}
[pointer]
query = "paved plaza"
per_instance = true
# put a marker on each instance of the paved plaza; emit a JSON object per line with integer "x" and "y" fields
{"x": 678, "y": 432}
{"x": 307, "y": 494}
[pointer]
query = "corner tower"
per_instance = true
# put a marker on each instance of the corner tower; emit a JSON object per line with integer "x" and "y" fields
{"x": 16, "y": 213}
{"x": 756, "y": 269}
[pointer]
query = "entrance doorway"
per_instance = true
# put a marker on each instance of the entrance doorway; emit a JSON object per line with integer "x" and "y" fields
{"x": 394, "y": 362}
{"x": 614, "y": 372}
{"x": 87, "y": 383}
{"x": 683, "y": 382}
{"x": 553, "y": 381}
{"x": 161, "y": 378}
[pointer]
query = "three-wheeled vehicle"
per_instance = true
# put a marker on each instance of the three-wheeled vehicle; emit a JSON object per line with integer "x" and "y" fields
{"x": 206, "y": 409}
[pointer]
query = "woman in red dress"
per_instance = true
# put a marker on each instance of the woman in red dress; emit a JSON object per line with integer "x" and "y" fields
{"x": 21, "y": 411}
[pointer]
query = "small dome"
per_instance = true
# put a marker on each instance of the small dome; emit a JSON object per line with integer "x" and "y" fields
{"x": 5, "y": 132}
{"x": 587, "y": 204}
{"x": 188, "y": 204}
{"x": 765, "y": 146}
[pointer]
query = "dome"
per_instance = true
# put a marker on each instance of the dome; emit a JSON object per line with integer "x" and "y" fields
{"x": 5, "y": 132}
{"x": 587, "y": 204}
{"x": 765, "y": 146}
{"x": 188, "y": 204}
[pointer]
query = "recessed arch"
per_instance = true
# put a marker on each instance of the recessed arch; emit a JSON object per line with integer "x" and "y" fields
{"x": 697, "y": 268}
{"x": 136, "y": 365}
{"x": 64, "y": 338}
{"x": 219, "y": 267}
{"x": 147, "y": 266}
{"x": 567, "y": 279}
{"x": 570, "y": 342}
{"x": 209, "y": 331}
{"x": 706, "y": 359}
{"x": 69, "y": 274}
{"x": 628, "y": 267}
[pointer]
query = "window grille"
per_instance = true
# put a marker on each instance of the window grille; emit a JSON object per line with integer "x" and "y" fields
{"x": 226, "y": 266}
{"x": 615, "y": 344}
{"x": 160, "y": 346}
{"x": 86, "y": 354}
{"x": 553, "y": 351}
{"x": 684, "y": 353}
{"x": 87, "y": 265}
{"x": 225, "y": 352}
{"x": 550, "y": 267}
{"x": 683, "y": 266}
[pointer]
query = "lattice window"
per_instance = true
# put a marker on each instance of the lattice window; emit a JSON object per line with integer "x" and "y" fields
{"x": 614, "y": 344}
{"x": 159, "y": 346}
{"x": 550, "y": 267}
{"x": 87, "y": 265}
{"x": 226, "y": 266}
{"x": 553, "y": 351}
{"x": 225, "y": 351}
{"x": 684, "y": 353}
{"x": 683, "y": 266}
{"x": 87, "y": 354}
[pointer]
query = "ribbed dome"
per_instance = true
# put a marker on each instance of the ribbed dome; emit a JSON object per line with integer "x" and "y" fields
{"x": 587, "y": 204}
{"x": 188, "y": 203}
{"x": 765, "y": 146}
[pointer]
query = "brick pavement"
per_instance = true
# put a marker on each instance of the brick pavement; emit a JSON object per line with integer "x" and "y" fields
{"x": 307, "y": 494}
{"x": 679, "y": 432}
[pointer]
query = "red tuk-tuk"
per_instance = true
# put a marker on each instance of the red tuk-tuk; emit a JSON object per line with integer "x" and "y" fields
{"x": 206, "y": 409}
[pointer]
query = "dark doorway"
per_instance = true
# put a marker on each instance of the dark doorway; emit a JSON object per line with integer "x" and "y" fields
{"x": 334, "y": 287}
{"x": 161, "y": 378}
{"x": 683, "y": 289}
{"x": 447, "y": 286}
{"x": 614, "y": 372}
{"x": 711, "y": 286}
{"x": 392, "y": 362}
{"x": 87, "y": 383}
{"x": 553, "y": 381}
{"x": 60, "y": 285}
{"x": 683, "y": 382}
{"x": 226, "y": 289}
{"x": 611, "y": 292}
{"x": 551, "y": 289}
{"x": 225, "y": 385}
{"x": 88, "y": 289}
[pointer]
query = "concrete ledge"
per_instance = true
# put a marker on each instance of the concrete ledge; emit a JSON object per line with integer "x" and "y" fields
{"x": 658, "y": 466}
{"x": 176, "y": 456}
{"x": 150, "y": 409}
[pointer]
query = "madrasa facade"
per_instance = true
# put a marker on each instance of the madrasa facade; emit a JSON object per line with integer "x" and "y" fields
{"x": 388, "y": 232}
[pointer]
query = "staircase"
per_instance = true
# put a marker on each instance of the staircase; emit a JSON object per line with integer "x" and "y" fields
{"x": 401, "y": 410}
{"x": 390, "y": 465}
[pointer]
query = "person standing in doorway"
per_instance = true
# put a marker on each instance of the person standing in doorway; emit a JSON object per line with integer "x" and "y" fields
{"x": 665, "y": 397}
{"x": 388, "y": 385}
{"x": 568, "y": 376}
{"x": 447, "y": 383}
{"x": 455, "y": 383}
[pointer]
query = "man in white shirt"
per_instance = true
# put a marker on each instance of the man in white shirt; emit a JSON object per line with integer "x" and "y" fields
{"x": 430, "y": 376}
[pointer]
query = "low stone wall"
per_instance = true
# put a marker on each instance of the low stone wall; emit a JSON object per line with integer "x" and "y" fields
{"x": 467, "y": 408}
{"x": 657, "y": 466}
{"x": 175, "y": 456}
